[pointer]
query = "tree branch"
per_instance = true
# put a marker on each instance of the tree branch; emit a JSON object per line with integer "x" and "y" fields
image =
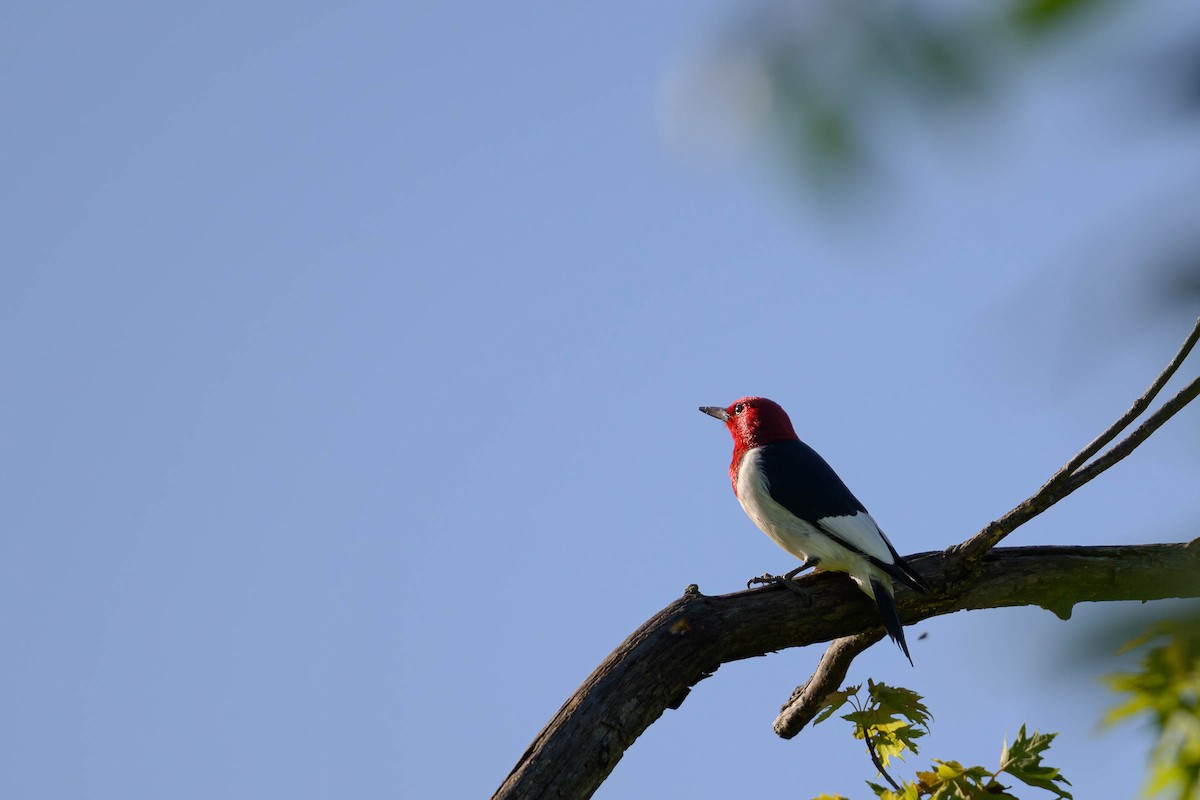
{"x": 1135, "y": 411}
{"x": 655, "y": 668}
{"x": 1186, "y": 395}
{"x": 807, "y": 700}
{"x": 1070, "y": 477}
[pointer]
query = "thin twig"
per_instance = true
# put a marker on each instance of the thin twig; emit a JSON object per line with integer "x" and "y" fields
{"x": 1072, "y": 476}
{"x": 1126, "y": 446}
{"x": 1139, "y": 406}
{"x": 875, "y": 759}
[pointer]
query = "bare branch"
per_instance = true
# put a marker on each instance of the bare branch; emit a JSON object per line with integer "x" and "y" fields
{"x": 806, "y": 700}
{"x": 1135, "y": 411}
{"x": 1070, "y": 477}
{"x": 655, "y": 668}
{"x": 1126, "y": 446}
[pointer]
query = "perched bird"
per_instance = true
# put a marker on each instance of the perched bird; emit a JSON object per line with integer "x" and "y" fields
{"x": 797, "y": 499}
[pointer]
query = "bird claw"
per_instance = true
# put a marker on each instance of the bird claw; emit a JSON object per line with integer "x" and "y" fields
{"x": 767, "y": 579}
{"x": 786, "y": 580}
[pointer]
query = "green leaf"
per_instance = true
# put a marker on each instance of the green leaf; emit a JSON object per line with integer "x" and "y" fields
{"x": 1023, "y": 760}
{"x": 870, "y": 718}
{"x": 1131, "y": 707}
{"x": 950, "y": 780}
{"x": 886, "y": 793}
{"x": 834, "y": 701}
{"x": 896, "y": 700}
{"x": 997, "y": 791}
{"x": 892, "y": 739}
{"x": 1166, "y": 688}
{"x": 893, "y": 717}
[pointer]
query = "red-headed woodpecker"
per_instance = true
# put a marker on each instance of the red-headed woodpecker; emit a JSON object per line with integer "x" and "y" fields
{"x": 797, "y": 499}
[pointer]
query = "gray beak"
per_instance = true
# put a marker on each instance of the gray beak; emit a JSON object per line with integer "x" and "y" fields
{"x": 715, "y": 411}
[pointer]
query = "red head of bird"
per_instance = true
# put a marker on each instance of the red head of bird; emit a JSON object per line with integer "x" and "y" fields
{"x": 752, "y": 421}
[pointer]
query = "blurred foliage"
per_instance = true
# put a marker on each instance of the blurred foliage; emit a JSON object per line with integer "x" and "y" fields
{"x": 1165, "y": 690}
{"x": 831, "y": 66}
{"x": 891, "y": 719}
{"x": 1038, "y": 16}
{"x": 839, "y": 86}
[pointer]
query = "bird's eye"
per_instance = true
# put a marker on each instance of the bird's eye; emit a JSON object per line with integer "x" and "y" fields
{"x": 739, "y": 408}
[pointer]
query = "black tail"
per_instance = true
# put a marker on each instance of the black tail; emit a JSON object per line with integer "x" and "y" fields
{"x": 903, "y": 572}
{"x": 891, "y": 620}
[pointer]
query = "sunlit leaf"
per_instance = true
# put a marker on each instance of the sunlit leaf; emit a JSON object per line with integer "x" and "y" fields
{"x": 834, "y": 701}
{"x": 887, "y": 793}
{"x": 1023, "y": 760}
{"x": 901, "y": 701}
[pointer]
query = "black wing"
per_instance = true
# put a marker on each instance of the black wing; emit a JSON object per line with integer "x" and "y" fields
{"x": 804, "y": 483}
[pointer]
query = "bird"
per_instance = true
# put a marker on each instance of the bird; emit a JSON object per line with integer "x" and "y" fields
{"x": 792, "y": 494}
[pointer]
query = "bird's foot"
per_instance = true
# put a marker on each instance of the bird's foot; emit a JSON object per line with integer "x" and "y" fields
{"x": 785, "y": 580}
{"x": 794, "y": 588}
{"x": 764, "y": 580}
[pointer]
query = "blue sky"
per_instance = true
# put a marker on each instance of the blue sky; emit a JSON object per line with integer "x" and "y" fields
{"x": 353, "y": 357}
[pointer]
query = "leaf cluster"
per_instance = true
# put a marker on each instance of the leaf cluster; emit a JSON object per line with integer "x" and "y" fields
{"x": 1166, "y": 688}
{"x": 890, "y": 719}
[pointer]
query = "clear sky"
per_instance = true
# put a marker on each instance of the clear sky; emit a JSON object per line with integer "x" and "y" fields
{"x": 352, "y": 355}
